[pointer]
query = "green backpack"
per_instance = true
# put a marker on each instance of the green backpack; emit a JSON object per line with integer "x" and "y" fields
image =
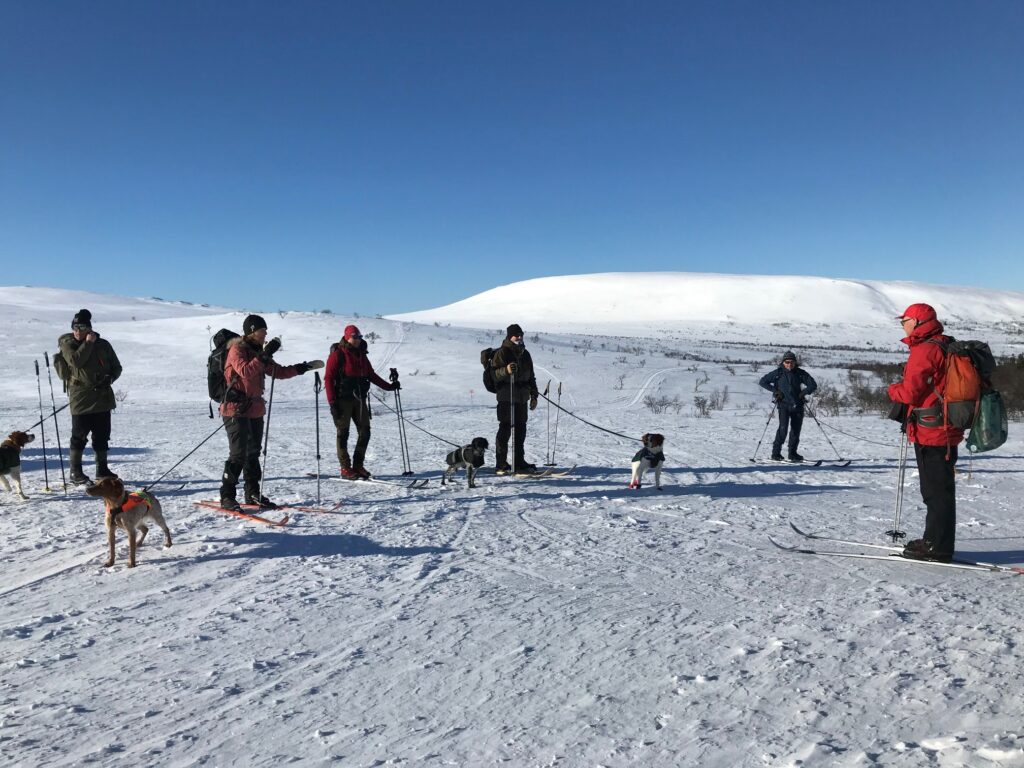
{"x": 990, "y": 427}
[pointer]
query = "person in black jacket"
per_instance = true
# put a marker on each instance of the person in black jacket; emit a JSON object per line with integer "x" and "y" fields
{"x": 516, "y": 384}
{"x": 790, "y": 385}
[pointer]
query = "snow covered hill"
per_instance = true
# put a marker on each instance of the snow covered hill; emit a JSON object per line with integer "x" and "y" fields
{"x": 565, "y": 622}
{"x": 674, "y": 304}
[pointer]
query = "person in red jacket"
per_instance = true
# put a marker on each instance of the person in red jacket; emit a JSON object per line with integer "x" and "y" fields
{"x": 249, "y": 360}
{"x": 347, "y": 380}
{"x": 935, "y": 443}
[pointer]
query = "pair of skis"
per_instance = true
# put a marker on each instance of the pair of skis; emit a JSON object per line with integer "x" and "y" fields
{"x": 249, "y": 511}
{"x": 543, "y": 474}
{"x": 414, "y": 484}
{"x": 817, "y": 463}
{"x": 891, "y": 554}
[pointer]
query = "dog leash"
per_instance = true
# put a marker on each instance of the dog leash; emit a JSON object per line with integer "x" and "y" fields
{"x": 413, "y": 424}
{"x": 588, "y": 423}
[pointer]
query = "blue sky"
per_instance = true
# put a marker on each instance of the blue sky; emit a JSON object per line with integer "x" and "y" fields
{"x": 379, "y": 157}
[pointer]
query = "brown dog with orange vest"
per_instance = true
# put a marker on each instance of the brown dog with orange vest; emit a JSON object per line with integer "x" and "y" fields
{"x": 128, "y": 511}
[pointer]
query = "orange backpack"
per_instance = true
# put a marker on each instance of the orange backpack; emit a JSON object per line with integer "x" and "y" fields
{"x": 969, "y": 367}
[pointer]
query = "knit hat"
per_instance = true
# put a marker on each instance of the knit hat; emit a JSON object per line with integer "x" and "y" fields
{"x": 920, "y": 312}
{"x": 253, "y": 323}
{"x": 350, "y": 331}
{"x": 83, "y": 319}
{"x": 790, "y": 355}
{"x": 513, "y": 330}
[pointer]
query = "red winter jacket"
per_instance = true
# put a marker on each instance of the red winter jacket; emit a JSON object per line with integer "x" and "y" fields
{"x": 349, "y": 373}
{"x": 924, "y": 372}
{"x": 244, "y": 371}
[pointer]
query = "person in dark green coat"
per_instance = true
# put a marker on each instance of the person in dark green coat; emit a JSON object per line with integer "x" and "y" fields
{"x": 92, "y": 368}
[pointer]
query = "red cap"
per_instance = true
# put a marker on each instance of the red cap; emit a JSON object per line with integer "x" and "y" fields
{"x": 920, "y": 312}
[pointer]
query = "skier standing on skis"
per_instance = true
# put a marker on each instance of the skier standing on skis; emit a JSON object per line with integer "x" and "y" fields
{"x": 785, "y": 384}
{"x": 90, "y": 367}
{"x": 935, "y": 443}
{"x": 347, "y": 380}
{"x": 513, "y": 365}
{"x": 250, "y": 360}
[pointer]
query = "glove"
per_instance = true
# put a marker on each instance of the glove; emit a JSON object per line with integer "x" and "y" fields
{"x": 533, "y": 403}
{"x": 395, "y": 386}
{"x": 335, "y": 411}
{"x": 778, "y": 397}
{"x": 272, "y": 346}
{"x": 803, "y": 399}
{"x": 511, "y": 368}
{"x": 301, "y": 368}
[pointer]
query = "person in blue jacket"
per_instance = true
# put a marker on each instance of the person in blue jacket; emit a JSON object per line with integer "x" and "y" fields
{"x": 790, "y": 385}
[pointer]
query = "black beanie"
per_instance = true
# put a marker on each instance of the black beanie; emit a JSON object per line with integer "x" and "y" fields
{"x": 790, "y": 355}
{"x": 513, "y": 330}
{"x": 83, "y": 318}
{"x": 252, "y": 323}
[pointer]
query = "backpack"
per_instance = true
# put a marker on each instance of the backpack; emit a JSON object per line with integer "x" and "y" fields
{"x": 485, "y": 360}
{"x": 215, "y": 384}
{"x": 60, "y": 365}
{"x": 990, "y": 425}
{"x": 969, "y": 368}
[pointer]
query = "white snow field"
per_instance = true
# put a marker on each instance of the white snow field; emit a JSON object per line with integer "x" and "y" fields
{"x": 558, "y": 622}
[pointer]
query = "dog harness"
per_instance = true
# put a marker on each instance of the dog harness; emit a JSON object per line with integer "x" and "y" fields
{"x": 134, "y": 499}
{"x": 646, "y": 453}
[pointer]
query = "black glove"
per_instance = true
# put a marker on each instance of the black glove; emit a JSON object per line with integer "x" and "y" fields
{"x": 301, "y": 368}
{"x": 335, "y": 411}
{"x": 272, "y": 346}
{"x": 803, "y": 399}
{"x": 778, "y": 397}
{"x": 395, "y": 386}
{"x": 533, "y": 403}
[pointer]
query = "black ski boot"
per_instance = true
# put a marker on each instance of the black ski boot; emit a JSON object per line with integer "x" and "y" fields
{"x": 259, "y": 501}
{"x": 230, "y": 503}
{"x": 77, "y": 476}
{"x": 102, "y": 470}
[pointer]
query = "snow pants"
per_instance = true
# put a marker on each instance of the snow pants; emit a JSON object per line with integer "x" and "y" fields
{"x": 81, "y": 426}
{"x": 244, "y": 438}
{"x": 938, "y": 489}
{"x": 506, "y": 413}
{"x": 792, "y": 422}
{"x": 344, "y": 412}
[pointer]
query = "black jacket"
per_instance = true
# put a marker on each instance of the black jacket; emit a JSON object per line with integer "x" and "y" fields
{"x": 525, "y": 381}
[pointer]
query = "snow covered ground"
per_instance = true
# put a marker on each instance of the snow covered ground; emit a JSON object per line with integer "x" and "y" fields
{"x": 532, "y": 622}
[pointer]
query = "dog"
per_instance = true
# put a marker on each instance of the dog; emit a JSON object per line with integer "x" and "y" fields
{"x": 469, "y": 457}
{"x": 10, "y": 459}
{"x": 651, "y": 456}
{"x": 127, "y": 511}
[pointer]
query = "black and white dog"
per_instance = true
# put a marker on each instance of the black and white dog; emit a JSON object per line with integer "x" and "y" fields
{"x": 469, "y": 457}
{"x": 10, "y": 459}
{"x": 651, "y": 456}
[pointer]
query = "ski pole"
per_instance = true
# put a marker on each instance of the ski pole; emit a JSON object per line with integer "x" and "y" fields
{"x": 56, "y": 424}
{"x": 770, "y": 415}
{"x": 547, "y": 452}
{"x": 317, "y": 386}
{"x": 823, "y": 432}
{"x": 266, "y": 440}
{"x": 896, "y": 534}
{"x": 403, "y": 440}
{"x": 558, "y": 411}
{"x": 512, "y": 415}
{"x": 165, "y": 474}
{"x": 42, "y": 428}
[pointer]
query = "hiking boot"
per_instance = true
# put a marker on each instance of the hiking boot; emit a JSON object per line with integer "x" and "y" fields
{"x": 259, "y": 501}
{"x": 777, "y": 457}
{"x": 795, "y": 457}
{"x": 347, "y": 473}
{"x": 525, "y": 466}
{"x": 922, "y": 549}
{"x": 503, "y": 469}
{"x": 231, "y": 505}
{"x": 102, "y": 470}
{"x": 77, "y": 476}
{"x": 362, "y": 473}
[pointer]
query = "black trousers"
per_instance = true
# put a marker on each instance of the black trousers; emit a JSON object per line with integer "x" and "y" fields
{"x": 344, "y": 412}
{"x": 791, "y": 421}
{"x": 244, "y": 442}
{"x": 938, "y": 489}
{"x": 98, "y": 424}
{"x": 506, "y": 413}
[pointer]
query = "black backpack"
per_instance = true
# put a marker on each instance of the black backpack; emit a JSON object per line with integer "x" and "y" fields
{"x": 485, "y": 360}
{"x": 215, "y": 384}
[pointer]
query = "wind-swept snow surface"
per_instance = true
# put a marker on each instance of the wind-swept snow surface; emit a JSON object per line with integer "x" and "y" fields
{"x": 549, "y": 622}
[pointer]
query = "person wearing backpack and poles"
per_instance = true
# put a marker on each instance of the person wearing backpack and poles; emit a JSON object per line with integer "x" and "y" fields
{"x": 790, "y": 385}
{"x": 89, "y": 367}
{"x": 250, "y": 359}
{"x": 347, "y": 380}
{"x": 515, "y": 385}
{"x": 935, "y": 441}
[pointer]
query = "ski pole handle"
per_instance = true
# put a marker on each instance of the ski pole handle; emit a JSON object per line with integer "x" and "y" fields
{"x": 46, "y": 357}
{"x": 37, "y": 366}
{"x": 317, "y": 386}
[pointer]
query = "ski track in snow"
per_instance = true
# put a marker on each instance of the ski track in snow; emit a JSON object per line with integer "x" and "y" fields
{"x": 565, "y": 621}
